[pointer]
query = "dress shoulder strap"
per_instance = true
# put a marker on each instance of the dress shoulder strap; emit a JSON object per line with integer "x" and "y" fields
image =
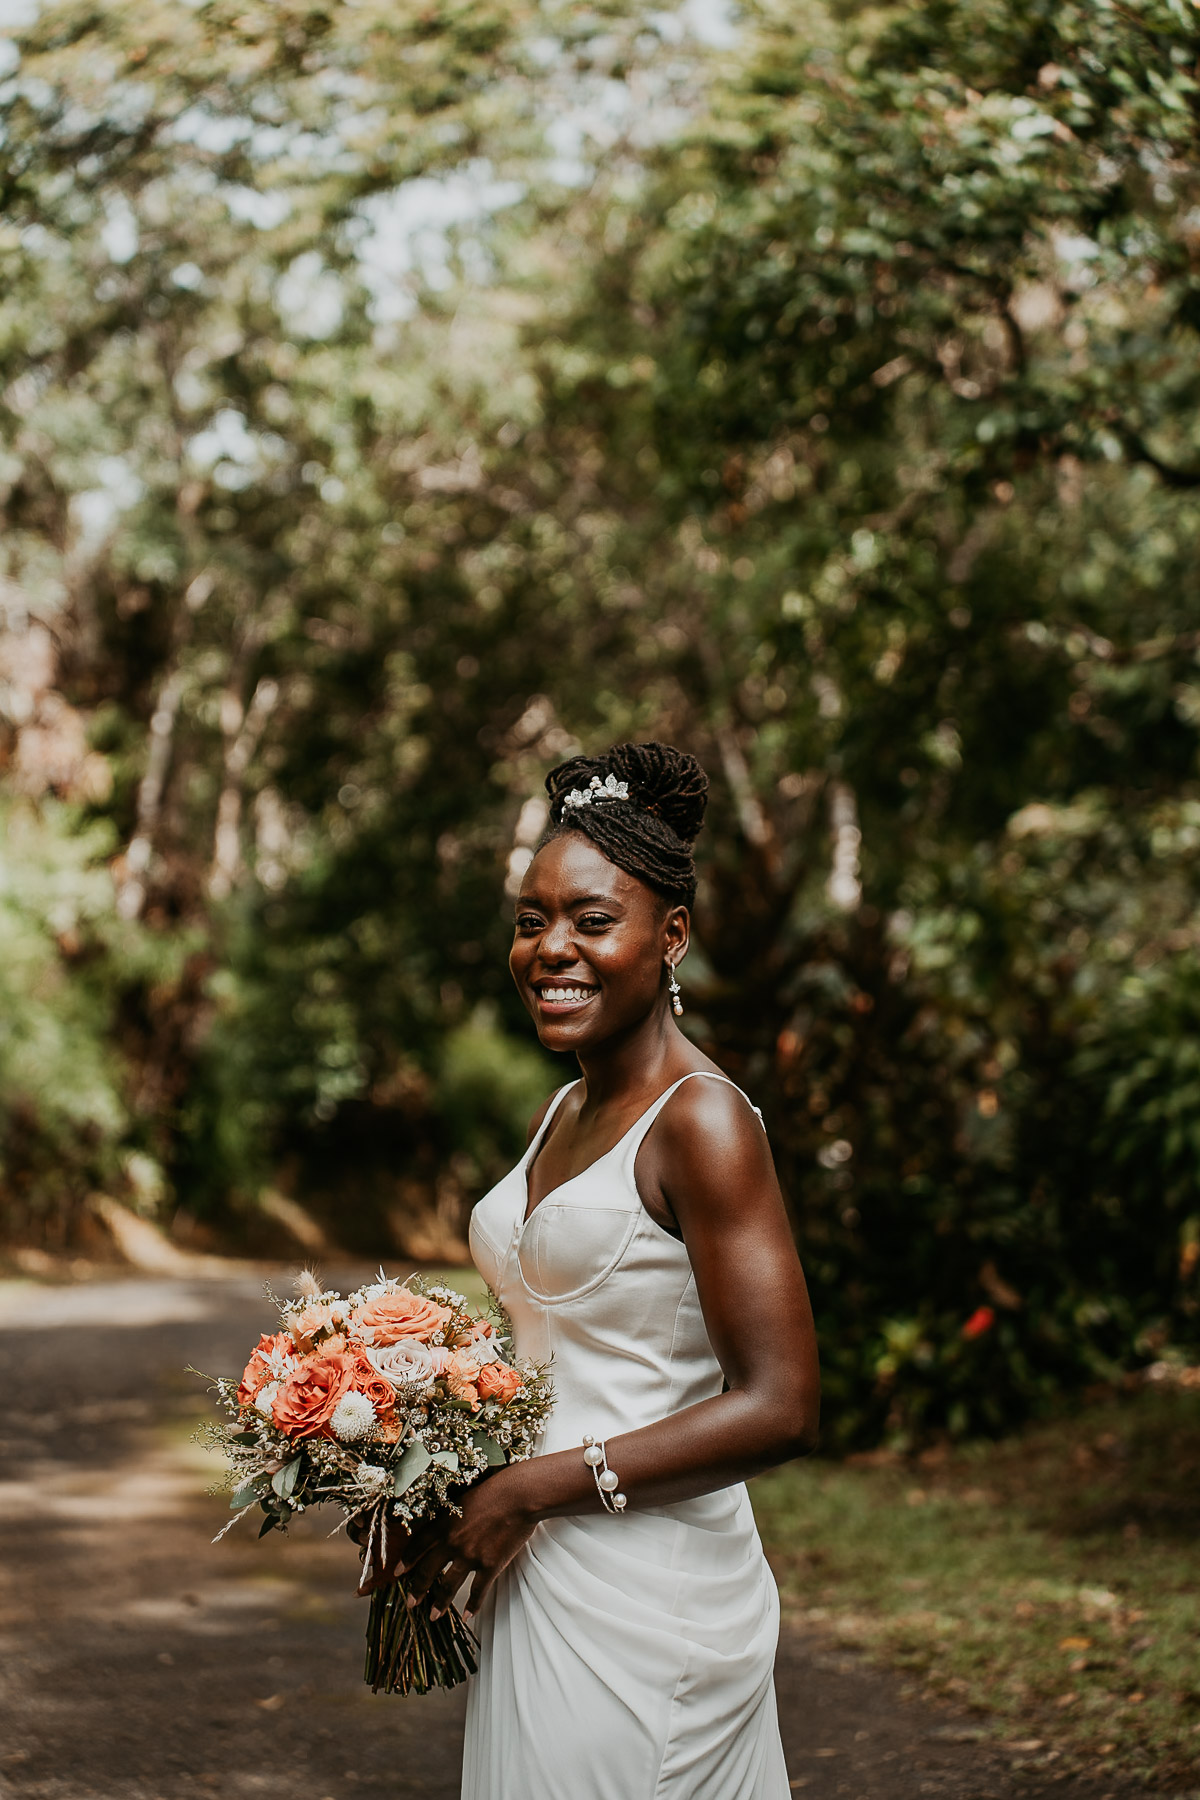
{"x": 555, "y": 1102}
{"x": 633, "y": 1141}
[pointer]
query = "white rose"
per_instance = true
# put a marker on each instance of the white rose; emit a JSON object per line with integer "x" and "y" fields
{"x": 401, "y": 1363}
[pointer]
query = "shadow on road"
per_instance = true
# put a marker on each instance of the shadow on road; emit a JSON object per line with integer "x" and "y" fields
{"x": 143, "y": 1662}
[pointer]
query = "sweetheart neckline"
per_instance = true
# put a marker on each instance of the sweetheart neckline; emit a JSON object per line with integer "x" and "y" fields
{"x": 530, "y": 1156}
{"x": 531, "y": 1153}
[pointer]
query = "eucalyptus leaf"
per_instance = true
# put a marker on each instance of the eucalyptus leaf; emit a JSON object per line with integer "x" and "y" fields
{"x": 284, "y": 1480}
{"x": 494, "y": 1452}
{"x": 446, "y": 1459}
{"x": 245, "y": 1496}
{"x": 411, "y": 1465}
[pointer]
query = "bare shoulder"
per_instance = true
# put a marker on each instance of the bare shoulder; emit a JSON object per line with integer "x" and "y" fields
{"x": 708, "y": 1122}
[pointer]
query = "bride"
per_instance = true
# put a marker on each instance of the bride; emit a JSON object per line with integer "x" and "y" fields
{"x": 627, "y": 1618}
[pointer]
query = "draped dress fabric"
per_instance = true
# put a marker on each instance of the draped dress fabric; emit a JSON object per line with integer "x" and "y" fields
{"x": 623, "y": 1657}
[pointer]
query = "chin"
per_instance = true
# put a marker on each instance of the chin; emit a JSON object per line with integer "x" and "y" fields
{"x": 563, "y": 1036}
{"x": 570, "y": 1034}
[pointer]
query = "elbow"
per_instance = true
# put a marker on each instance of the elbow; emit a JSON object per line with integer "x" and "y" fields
{"x": 801, "y": 1440}
{"x": 786, "y": 1426}
{"x": 802, "y": 1428}
{"x": 791, "y": 1436}
{"x": 808, "y": 1439}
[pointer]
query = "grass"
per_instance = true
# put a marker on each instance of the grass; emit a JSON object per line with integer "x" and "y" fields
{"x": 468, "y": 1282}
{"x": 1051, "y": 1582}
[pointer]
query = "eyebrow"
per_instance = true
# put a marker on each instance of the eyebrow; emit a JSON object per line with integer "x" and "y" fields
{"x": 582, "y": 900}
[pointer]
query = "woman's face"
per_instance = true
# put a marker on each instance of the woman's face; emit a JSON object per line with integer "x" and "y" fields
{"x": 589, "y": 946}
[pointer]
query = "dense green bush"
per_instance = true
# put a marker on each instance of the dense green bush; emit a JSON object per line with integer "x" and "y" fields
{"x": 846, "y": 434}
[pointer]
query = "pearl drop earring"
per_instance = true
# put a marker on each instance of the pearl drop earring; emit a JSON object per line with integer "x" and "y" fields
{"x": 673, "y": 990}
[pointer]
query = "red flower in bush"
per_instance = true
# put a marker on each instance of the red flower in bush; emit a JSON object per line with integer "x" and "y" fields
{"x": 981, "y": 1320}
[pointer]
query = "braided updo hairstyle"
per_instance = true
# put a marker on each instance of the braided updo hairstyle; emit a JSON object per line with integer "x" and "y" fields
{"x": 649, "y": 835}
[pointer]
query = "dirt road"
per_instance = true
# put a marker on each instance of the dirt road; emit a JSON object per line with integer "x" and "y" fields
{"x": 141, "y": 1662}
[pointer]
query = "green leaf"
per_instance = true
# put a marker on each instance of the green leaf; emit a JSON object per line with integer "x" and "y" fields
{"x": 496, "y": 1454}
{"x": 411, "y": 1465}
{"x": 284, "y": 1480}
{"x": 246, "y": 1495}
{"x": 447, "y": 1459}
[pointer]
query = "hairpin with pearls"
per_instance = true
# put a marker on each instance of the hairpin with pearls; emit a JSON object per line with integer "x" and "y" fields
{"x": 608, "y": 789}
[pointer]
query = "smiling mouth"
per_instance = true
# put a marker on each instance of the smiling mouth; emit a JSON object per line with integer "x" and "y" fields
{"x": 563, "y": 996}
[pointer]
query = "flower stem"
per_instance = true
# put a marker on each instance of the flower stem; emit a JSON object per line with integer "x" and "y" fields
{"x": 410, "y": 1653}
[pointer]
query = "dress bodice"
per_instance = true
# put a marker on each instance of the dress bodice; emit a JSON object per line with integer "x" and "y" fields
{"x": 597, "y": 1288}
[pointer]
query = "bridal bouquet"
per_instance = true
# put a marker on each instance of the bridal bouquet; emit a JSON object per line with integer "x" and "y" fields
{"x": 389, "y": 1402}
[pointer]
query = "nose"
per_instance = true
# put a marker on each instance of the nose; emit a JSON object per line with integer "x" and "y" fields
{"x": 557, "y": 942}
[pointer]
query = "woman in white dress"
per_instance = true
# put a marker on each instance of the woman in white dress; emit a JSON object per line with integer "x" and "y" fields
{"x": 628, "y": 1626}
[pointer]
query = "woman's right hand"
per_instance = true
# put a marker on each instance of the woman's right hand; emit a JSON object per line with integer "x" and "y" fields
{"x": 403, "y": 1547}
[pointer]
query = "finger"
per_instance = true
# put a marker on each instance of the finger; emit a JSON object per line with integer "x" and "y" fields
{"x": 369, "y": 1579}
{"x": 399, "y": 1555}
{"x": 379, "y": 1571}
{"x": 413, "y": 1544}
{"x": 478, "y": 1594}
{"x": 447, "y": 1585}
{"x": 419, "y": 1578}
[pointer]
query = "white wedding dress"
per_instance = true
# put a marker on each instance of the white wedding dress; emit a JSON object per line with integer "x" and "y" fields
{"x": 623, "y": 1657}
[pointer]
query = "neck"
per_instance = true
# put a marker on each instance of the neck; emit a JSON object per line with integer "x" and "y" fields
{"x": 638, "y": 1059}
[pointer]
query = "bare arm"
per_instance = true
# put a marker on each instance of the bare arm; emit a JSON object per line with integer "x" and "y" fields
{"x": 711, "y": 1163}
{"x": 706, "y": 1163}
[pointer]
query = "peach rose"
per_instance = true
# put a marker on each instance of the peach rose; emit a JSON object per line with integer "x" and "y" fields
{"x": 367, "y": 1380}
{"x": 266, "y": 1364}
{"x": 462, "y": 1373}
{"x": 318, "y": 1316}
{"x": 496, "y": 1381}
{"x": 390, "y": 1317}
{"x": 307, "y": 1400}
{"x": 480, "y": 1342}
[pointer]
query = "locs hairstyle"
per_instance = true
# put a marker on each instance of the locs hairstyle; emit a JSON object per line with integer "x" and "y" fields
{"x": 649, "y": 835}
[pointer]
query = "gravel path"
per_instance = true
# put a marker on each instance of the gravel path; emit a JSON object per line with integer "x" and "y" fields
{"x": 141, "y": 1662}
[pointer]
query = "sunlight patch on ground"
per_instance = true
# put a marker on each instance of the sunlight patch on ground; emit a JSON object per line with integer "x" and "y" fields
{"x": 146, "y": 1489}
{"x": 115, "y": 1305}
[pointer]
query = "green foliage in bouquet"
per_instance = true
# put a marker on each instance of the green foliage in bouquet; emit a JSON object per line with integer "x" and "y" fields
{"x": 387, "y": 1403}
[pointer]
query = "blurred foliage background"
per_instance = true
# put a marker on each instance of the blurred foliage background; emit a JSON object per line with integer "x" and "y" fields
{"x": 395, "y": 398}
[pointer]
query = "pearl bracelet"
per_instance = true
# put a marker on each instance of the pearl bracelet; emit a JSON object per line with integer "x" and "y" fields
{"x": 607, "y": 1480}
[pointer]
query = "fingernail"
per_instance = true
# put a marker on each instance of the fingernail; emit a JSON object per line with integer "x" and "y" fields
{"x": 435, "y": 1612}
{"x": 410, "y": 1600}
{"x": 468, "y": 1618}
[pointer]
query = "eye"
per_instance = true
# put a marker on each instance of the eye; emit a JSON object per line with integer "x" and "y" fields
{"x": 528, "y": 922}
{"x": 594, "y": 921}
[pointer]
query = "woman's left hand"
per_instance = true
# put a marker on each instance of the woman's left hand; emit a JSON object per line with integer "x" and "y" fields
{"x": 494, "y": 1524}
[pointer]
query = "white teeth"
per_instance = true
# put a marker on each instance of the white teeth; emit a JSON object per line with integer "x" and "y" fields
{"x": 566, "y": 993}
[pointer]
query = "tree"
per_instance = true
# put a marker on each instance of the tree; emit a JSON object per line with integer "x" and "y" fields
{"x": 892, "y": 370}
{"x": 838, "y": 423}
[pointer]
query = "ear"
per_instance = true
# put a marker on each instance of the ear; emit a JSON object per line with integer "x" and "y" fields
{"x": 677, "y": 934}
